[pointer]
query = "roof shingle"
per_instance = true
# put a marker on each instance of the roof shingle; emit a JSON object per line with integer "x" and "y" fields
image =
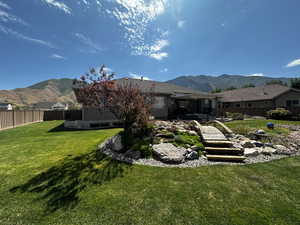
{"x": 266, "y": 92}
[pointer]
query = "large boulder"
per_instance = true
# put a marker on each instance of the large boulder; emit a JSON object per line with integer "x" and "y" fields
{"x": 192, "y": 133}
{"x": 116, "y": 143}
{"x": 167, "y": 152}
{"x": 280, "y": 149}
{"x": 247, "y": 144}
{"x": 268, "y": 150}
{"x": 192, "y": 155}
{"x": 251, "y": 152}
{"x": 196, "y": 126}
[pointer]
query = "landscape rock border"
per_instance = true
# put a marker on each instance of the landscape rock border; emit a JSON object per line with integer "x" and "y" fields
{"x": 106, "y": 148}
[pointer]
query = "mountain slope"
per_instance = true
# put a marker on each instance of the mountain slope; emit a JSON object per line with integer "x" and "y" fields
{"x": 54, "y": 90}
{"x": 209, "y": 83}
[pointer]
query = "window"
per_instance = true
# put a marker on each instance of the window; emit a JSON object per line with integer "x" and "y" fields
{"x": 159, "y": 102}
{"x": 290, "y": 103}
{"x": 238, "y": 105}
{"x": 249, "y": 105}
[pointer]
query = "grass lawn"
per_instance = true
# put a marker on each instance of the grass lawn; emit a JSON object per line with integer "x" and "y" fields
{"x": 244, "y": 126}
{"x": 49, "y": 176}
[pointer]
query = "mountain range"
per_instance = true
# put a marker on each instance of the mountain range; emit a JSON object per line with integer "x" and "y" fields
{"x": 209, "y": 83}
{"x": 60, "y": 90}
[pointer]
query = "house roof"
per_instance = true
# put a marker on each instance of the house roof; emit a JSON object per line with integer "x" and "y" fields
{"x": 58, "y": 104}
{"x": 165, "y": 88}
{"x": 43, "y": 105}
{"x": 266, "y": 92}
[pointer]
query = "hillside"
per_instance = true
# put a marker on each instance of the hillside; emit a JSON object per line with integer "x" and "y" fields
{"x": 54, "y": 90}
{"x": 209, "y": 83}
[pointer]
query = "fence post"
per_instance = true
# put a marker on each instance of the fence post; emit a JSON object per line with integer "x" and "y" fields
{"x": 13, "y": 117}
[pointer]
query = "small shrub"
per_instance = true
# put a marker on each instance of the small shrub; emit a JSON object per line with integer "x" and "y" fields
{"x": 144, "y": 147}
{"x": 184, "y": 139}
{"x": 127, "y": 139}
{"x": 279, "y": 114}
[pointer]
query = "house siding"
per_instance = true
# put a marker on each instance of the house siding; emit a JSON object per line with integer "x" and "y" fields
{"x": 252, "y": 108}
{"x": 259, "y": 108}
{"x": 281, "y": 101}
{"x": 159, "y": 111}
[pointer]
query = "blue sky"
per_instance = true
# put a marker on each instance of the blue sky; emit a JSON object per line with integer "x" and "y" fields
{"x": 159, "y": 39}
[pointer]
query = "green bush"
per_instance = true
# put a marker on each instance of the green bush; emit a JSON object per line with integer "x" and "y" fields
{"x": 144, "y": 147}
{"x": 279, "y": 114}
{"x": 184, "y": 139}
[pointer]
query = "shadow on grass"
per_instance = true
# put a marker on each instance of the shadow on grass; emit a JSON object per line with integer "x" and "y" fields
{"x": 61, "y": 185}
{"x": 61, "y": 128}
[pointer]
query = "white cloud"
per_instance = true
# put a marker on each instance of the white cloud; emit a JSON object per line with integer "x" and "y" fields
{"x": 56, "y": 56}
{"x": 4, "y": 5}
{"x": 59, "y": 5}
{"x": 24, "y": 37}
{"x": 93, "y": 47}
{"x": 256, "y": 75}
{"x": 159, "y": 45}
{"x": 159, "y": 56}
{"x": 107, "y": 70}
{"x": 296, "y": 62}
{"x": 164, "y": 70}
{"x": 180, "y": 23}
{"x": 135, "y": 76}
{"x": 8, "y": 17}
{"x": 165, "y": 33}
{"x": 135, "y": 16}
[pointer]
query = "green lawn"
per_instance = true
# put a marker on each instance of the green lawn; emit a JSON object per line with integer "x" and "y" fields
{"x": 244, "y": 126}
{"x": 57, "y": 177}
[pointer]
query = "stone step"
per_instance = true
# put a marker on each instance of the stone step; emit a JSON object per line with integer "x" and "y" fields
{"x": 223, "y": 150}
{"x": 231, "y": 158}
{"x": 217, "y": 142}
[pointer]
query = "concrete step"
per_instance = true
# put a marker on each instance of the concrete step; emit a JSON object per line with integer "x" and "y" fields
{"x": 223, "y": 150}
{"x": 230, "y": 158}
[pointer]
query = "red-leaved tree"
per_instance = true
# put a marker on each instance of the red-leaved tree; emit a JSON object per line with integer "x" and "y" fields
{"x": 124, "y": 100}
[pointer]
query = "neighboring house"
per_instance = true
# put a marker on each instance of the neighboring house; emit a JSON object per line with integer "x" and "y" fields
{"x": 5, "y": 106}
{"x": 50, "y": 106}
{"x": 258, "y": 100}
{"x": 59, "y": 106}
{"x": 171, "y": 101}
{"x": 43, "y": 105}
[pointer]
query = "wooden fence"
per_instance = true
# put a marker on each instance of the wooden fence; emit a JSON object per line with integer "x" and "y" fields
{"x": 10, "y": 119}
{"x": 63, "y": 115}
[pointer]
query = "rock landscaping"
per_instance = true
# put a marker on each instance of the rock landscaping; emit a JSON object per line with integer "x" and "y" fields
{"x": 178, "y": 144}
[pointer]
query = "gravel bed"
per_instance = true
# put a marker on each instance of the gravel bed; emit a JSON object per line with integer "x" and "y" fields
{"x": 193, "y": 163}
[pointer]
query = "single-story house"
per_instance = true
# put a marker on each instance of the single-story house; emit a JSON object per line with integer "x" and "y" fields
{"x": 5, "y": 106}
{"x": 59, "y": 106}
{"x": 257, "y": 101}
{"x": 50, "y": 106}
{"x": 171, "y": 102}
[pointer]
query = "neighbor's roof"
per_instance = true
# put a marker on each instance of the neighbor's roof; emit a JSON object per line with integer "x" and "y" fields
{"x": 58, "y": 104}
{"x": 43, "y": 105}
{"x": 266, "y": 92}
{"x": 165, "y": 88}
